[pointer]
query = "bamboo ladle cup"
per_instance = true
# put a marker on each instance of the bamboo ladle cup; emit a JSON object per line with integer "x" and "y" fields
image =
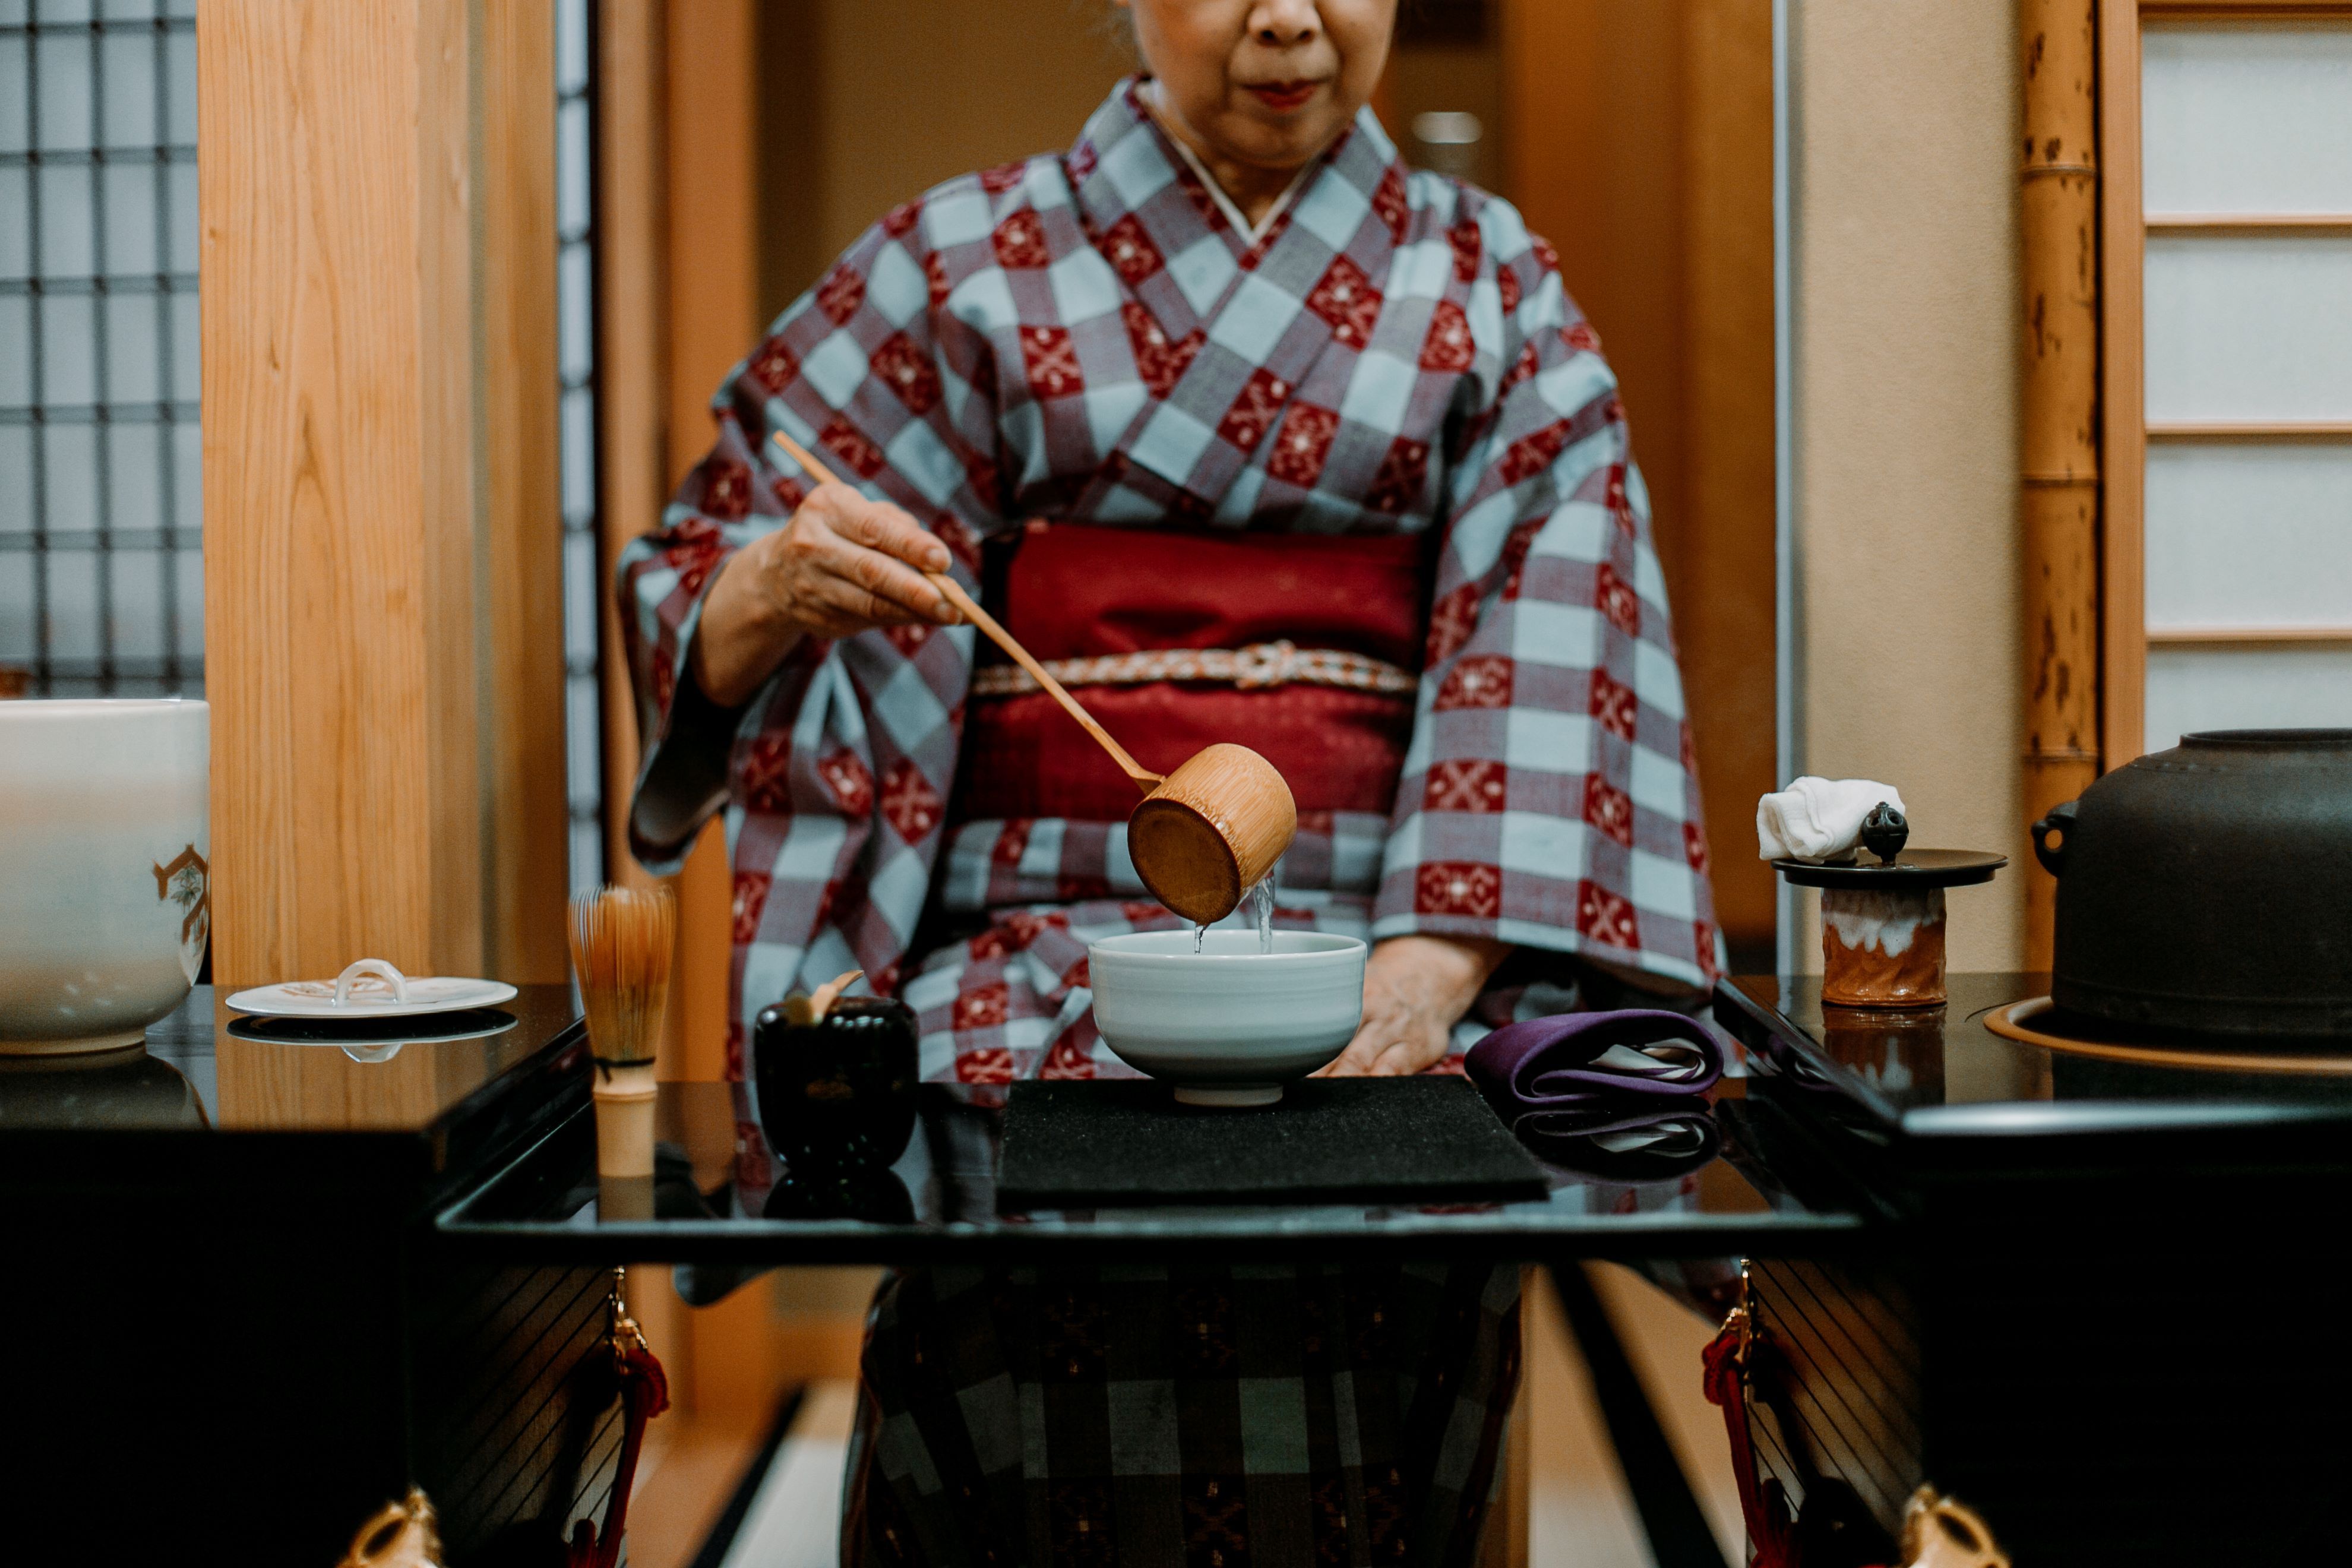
{"x": 1204, "y": 834}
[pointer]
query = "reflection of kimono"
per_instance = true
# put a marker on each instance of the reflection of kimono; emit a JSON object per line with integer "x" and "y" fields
{"x": 1390, "y": 374}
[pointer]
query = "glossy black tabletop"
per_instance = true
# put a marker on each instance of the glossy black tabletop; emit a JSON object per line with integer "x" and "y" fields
{"x": 1937, "y": 1085}
{"x": 721, "y": 1199}
{"x": 456, "y": 1087}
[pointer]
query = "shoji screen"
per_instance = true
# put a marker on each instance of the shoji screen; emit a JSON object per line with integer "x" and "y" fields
{"x": 575, "y": 288}
{"x": 101, "y": 586}
{"x": 2230, "y": 549}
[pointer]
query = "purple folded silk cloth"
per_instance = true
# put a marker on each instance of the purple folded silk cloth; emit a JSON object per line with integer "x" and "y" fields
{"x": 1639, "y": 1141}
{"x": 1551, "y": 1074}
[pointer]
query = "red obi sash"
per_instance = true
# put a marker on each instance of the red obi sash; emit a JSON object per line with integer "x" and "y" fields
{"x": 1075, "y": 591}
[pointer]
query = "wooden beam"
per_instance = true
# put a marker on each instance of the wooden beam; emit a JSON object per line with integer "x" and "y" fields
{"x": 359, "y": 514}
{"x": 2208, "y": 226}
{"x": 2242, "y": 636}
{"x": 677, "y": 127}
{"x": 2058, "y": 232}
{"x": 2123, "y": 236}
{"x": 2178, "y": 430}
{"x": 713, "y": 187}
{"x": 523, "y": 748}
{"x": 632, "y": 358}
{"x": 2239, "y": 10}
{"x": 1637, "y": 137}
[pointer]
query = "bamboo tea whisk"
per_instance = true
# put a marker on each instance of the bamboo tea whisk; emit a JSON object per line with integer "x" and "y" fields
{"x": 620, "y": 943}
{"x": 621, "y": 940}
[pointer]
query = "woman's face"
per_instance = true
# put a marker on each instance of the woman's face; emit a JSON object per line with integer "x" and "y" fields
{"x": 1268, "y": 83}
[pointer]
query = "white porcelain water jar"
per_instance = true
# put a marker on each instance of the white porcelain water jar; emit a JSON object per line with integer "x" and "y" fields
{"x": 105, "y": 872}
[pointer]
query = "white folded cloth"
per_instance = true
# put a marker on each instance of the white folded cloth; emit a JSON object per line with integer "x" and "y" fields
{"x": 1818, "y": 819}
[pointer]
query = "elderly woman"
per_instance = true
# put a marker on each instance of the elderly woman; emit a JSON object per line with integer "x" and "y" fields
{"x": 1265, "y": 438}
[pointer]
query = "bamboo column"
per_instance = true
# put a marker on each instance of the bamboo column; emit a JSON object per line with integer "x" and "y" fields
{"x": 2059, "y": 401}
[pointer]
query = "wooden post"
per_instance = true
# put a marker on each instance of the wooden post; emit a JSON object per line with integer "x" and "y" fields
{"x": 679, "y": 277}
{"x": 1638, "y": 140}
{"x": 2059, "y": 402}
{"x": 373, "y": 476}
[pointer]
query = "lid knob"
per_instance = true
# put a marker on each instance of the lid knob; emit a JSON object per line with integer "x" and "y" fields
{"x": 1884, "y": 832}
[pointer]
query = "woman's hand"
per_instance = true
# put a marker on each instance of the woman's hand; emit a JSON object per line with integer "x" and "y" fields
{"x": 1416, "y": 988}
{"x": 843, "y": 564}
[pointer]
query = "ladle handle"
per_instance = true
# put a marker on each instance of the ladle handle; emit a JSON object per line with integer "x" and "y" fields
{"x": 1143, "y": 777}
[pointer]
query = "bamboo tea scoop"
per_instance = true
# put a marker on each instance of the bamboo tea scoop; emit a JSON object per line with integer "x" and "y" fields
{"x": 1205, "y": 834}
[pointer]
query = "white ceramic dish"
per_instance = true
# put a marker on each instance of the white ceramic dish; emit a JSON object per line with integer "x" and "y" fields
{"x": 1229, "y": 1025}
{"x": 105, "y": 880}
{"x": 371, "y": 989}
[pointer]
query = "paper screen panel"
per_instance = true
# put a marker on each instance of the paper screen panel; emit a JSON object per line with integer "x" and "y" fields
{"x": 100, "y": 564}
{"x": 2245, "y": 535}
{"x": 2244, "y": 328}
{"x": 2260, "y": 687}
{"x": 575, "y": 310}
{"x": 2248, "y": 119}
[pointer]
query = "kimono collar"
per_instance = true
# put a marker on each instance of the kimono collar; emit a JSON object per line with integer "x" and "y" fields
{"x": 1123, "y": 158}
{"x": 1234, "y": 215}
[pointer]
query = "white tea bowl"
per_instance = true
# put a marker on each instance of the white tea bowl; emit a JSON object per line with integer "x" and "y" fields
{"x": 105, "y": 874}
{"x": 1228, "y": 1025}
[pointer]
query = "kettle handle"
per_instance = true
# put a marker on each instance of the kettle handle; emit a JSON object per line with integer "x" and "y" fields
{"x": 2060, "y": 821}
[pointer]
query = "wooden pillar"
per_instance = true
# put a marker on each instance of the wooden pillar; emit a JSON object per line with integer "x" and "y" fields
{"x": 678, "y": 259}
{"x": 378, "y": 473}
{"x": 1638, "y": 140}
{"x": 2059, "y": 403}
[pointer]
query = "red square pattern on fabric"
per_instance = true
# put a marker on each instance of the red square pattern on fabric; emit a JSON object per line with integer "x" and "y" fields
{"x": 1252, "y": 414}
{"x": 765, "y": 781}
{"x": 1159, "y": 360}
{"x": 1609, "y": 809}
{"x": 1405, "y": 471}
{"x": 907, "y": 371}
{"x": 984, "y": 1006}
{"x": 1051, "y": 360}
{"x": 750, "y": 899}
{"x": 1463, "y": 784}
{"x": 1481, "y": 681}
{"x": 1449, "y": 349}
{"x": 1605, "y": 917}
{"x": 1020, "y": 241}
{"x": 1467, "y": 245}
{"x": 1614, "y": 705}
{"x": 774, "y": 365}
{"x": 848, "y": 778}
{"x": 909, "y": 802}
{"x": 1129, "y": 251}
{"x": 1347, "y": 299}
{"x": 850, "y": 444}
{"x": 1305, "y": 443}
{"x": 1617, "y": 600}
{"x": 843, "y": 291}
{"x": 991, "y": 1064}
{"x": 1459, "y": 887}
{"x": 1450, "y": 621}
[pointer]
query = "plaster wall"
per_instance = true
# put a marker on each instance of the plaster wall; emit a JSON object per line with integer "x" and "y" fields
{"x": 1906, "y": 298}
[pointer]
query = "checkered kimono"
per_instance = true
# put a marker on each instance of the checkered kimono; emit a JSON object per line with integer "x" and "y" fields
{"x": 1084, "y": 337}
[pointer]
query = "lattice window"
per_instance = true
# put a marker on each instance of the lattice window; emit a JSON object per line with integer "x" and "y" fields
{"x": 102, "y": 585}
{"x": 584, "y": 577}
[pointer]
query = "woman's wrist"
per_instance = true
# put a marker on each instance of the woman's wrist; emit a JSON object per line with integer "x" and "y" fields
{"x": 741, "y": 637}
{"x": 1458, "y": 963}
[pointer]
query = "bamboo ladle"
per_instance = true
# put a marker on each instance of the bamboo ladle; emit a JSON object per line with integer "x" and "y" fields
{"x": 1204, "y": 834}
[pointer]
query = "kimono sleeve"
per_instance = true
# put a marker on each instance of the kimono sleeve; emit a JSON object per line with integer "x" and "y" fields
{"x": 1549, "y": 798}
{"x": 869, "y": 372}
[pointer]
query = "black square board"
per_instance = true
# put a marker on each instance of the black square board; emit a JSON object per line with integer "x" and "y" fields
{"x": 1121, "y": 1141}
